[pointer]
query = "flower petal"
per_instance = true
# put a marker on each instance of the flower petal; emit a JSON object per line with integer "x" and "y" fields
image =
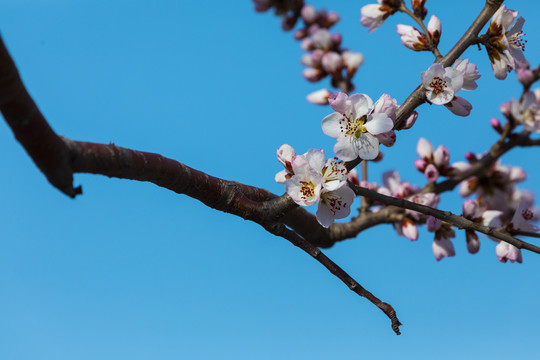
{"x": 379, "y": 123}
{"x": 330, "y": 125}
{"x": 366, "y": 146}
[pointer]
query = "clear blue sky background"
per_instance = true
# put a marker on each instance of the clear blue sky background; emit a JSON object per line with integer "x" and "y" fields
{"x": 133, "y": 271}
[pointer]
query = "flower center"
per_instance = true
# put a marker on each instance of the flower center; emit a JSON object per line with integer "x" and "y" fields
{"x": 352, "y": 126}
{"x": 334, "y": 170}
{"x": 516, "y": 40}
{"x": 527, "y": 214}
{"x": 334, "y": 203}
{"x": 438, "y": 85}
{"x": 308, "y": 190}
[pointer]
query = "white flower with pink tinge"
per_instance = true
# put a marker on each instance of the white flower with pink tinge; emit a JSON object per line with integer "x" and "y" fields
{"x": 304, "y": 187}
{"x": 373, "y": 15}
{"x": 527, "y": 112}
{"x": 520, "y": 221}
{"x": 441, "y": 83}
{"x": 354, "y": 125}
{"x": 505, "y": 43}
{"x": 321, "y": 181}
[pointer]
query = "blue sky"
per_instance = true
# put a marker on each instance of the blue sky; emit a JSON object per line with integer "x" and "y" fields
{"x": 130, "y": 270}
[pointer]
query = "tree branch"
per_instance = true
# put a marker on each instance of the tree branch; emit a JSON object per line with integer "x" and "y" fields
{"x": 59, "y": 158}
{"x": 445, "y": 216}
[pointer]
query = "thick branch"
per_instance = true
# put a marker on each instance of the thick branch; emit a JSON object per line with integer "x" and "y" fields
{"x": 31, "y": 129}
{"x": 58, "y": 158}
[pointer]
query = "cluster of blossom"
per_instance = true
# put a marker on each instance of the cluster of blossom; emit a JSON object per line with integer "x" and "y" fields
{"x": 413, "y": 39}
{"x": 311, "y": 179}
{"x": 525, "y": 111}
{"x": 359, "y": 126}
{"x": 504, "y": 43}
{"x": 373, "y": 15}
{"x": 442, "y": 84}
{"x": 326, "y": 57}
{"x": 499, "y": 203}
{"x": 408, "y": 227}
{"x": 434, "y": 163}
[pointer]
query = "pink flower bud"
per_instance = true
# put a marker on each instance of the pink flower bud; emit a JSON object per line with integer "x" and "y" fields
{"x": 300, "y": 34}
{"x": 433, "y": 224}
{"x": 412, "y": 38}
{"x": 424, "y": 149}
{"x": 459, "y": 106}
{"x": 336, "y": 39}
{"x": 307, "y": 44}
{"x": 496, "y": 124}
{"x": 434, "y": 29}
{"x": 467, "y": 187}
{"x": 316, "y": 56}
{"x": 443, "y": 247}
{"x": 319, "y": 97}
{"x": 332, "y": 18}
{"x": 387, "y": 139}
{"x": 332, "y": 62}
{"x": 525, "y": 76}
{"x": 459, "y": 168}
{"x": 307, "y": 60}
{"x": 312, "y": 29}
{"x": 352, "y": 62}
{"x": 322, "y": 39}
{"x": 409, "y": 229}
{"x": 441, "y": 157}
{"x": 505, "y": 109}
{"x": 338, "y": 102}
{"x": 309, "y": 14}
{"x": 471, "y": 157}
{"x": 313, "y": 75}
{"x": 473, "y": 244}
{"x": 470, "y": 209}
{"x": 420, "y": 165}
{"x": 409, "y": 122}
{"x": 431, "y": 173}
{"x": 285, "y": 154}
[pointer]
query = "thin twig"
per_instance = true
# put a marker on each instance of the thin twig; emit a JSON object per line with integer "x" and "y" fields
{"x": 445, "y": 216}
{"x": 338, "y": 272}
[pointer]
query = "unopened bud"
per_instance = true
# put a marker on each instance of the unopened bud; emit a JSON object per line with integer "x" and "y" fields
{"x": 336, "y": 39}
{"x": 505, "y": 109}
{"x": 319, "y": 97}
{"x": 288, "y": 22}
{"x": 309, "y": 14}
{"x": 313, "y": 74}
{"x": 420, "y": 165}
{"x": 496, "y": 124}
{"x": 331, "y": 19}
{"x": 471, "y": 157}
